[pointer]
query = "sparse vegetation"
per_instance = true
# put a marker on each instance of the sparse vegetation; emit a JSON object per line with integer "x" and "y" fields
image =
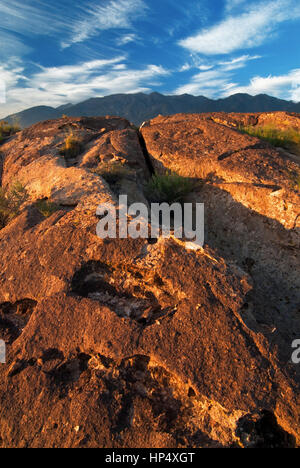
{"x": 46, "y": 207}
{"x": 72, "y": 146}
{"x": 113, "y": 172}
{"x": 289, "y": 138}
{"x": 11, "y": 201}
{"x": 169, "y": 188}
{"x": 295, "y": 181}
{"x": 7, "y": 130}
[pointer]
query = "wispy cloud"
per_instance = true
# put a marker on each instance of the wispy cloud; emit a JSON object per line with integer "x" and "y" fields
{"x": 11, "y": 46}
{"x": 126, "y": 39}
{"x": 215, "y": 77}
{"x": 232, "y": 4}
{"x": 205, "y": 83}
{"x": 29, "y": 17}
{"x": 73, "y": 21}
{"x": 22, "y": 20}
{"x": 97, "y": 18}
{"x": 79, "y": 72}
{"x": 249, "y": 29}
{"x": 281, "y": 86}
{"x": 57, "y": 85}
{"x": 238, "y": 62}
{"x": 10, "y": 75}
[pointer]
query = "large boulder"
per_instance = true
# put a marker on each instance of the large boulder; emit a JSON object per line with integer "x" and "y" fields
{"x": 252, "y": 207}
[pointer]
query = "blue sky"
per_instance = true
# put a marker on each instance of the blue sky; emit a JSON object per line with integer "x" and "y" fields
{"x": 60, "y": 51}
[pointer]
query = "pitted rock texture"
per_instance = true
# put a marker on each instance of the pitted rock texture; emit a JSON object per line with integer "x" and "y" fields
{"x": 134, "y": 343}
{"x": 34, "y": 157}
{"x": 253, "y": 172}
{"x": 252, "y": 215}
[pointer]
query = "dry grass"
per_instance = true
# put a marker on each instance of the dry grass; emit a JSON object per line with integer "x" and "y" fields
{"x": 46, "y": 207}
{"x": 295, "y": 181}
{"x": 113, "y": 172}
{"x": 72, "y": 146}
{"x": 11, "y": 201}
{"x": 288, "y": 139}
{"x": 169, "y": 188}
{"x": 7, "y": 130}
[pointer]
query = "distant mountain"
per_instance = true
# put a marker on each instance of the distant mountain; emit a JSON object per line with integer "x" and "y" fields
{"x": 140, "y": 107}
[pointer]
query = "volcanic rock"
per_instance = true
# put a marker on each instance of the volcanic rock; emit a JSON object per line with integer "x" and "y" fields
{"x": 134, "y": 343}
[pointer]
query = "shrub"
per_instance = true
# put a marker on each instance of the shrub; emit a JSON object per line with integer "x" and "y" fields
{"x": 11, "y": 201}
{"x": 169, "y": 188}
{"x": 46, "y": 207}
{"x": 7, "y": 129}
{"x": 289, "y": 138}
{"x": 72, "y": 146}
{"x": 113, "y": 171}
{"x": 295, "y": 181}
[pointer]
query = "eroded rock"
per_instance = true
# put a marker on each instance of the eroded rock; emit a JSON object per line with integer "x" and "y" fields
{"x": 134, "y": 343}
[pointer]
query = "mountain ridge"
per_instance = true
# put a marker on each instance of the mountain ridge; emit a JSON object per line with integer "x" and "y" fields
{"x": 140, "y": 107}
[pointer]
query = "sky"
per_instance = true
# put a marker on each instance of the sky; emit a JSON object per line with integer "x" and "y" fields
{"x": 55, "y": 52}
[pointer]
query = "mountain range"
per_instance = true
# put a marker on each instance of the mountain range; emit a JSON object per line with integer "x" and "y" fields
{"x": 140, "y": 107}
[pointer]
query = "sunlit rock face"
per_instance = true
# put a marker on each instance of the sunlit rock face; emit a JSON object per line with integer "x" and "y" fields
{"x": 150, "y": 343}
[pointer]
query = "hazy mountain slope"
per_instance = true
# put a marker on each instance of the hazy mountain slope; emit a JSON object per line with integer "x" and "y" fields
{"x": 33, "y": 115}
{"x": 140, "y": 107}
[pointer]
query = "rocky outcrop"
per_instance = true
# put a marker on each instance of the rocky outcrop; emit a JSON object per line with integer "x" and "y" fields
{"x": 252, "y": 213}
{"x": 137, "y": 343}
{"x": 252, "y": 171}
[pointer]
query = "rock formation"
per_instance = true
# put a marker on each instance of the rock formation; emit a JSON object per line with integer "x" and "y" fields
{"x": 136, "y": 343}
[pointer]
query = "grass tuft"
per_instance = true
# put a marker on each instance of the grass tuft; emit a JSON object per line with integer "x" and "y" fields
{"x": 46, "y": 207}
{"x": 295, "y": 181}
{"x": 11, "y": 201}
{"x": 169, "y": 188}
{"x": 288, "y": 139}
{"x": 7, "y": 130}
{"x": 113, "y": 172}
{"x": 72, "y": 146}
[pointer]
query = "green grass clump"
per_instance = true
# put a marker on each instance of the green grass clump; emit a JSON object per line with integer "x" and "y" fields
{"x": 46, "y": 207}
{"x": 169, "y": 188}
{"x": 7, "y": 130}
{"x": 11, "y": 201}
{"x": 288, "y": 138}
{"x": 72, "y": 146}
{"x": 113, "y": 172}
{"x": 295, "y": 181}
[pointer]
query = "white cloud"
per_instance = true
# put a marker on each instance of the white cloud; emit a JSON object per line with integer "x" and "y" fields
{"x": 205, "y": 67}
{"x": 30, "y": 17}
{"x": 11, "y": 46}
{"x": 207, "y": 83}
{"x": 185, "y": 67}
{"x": 281, "y": 86}
{"x": 57, "y": 85}
{"x": 249, "y": 29}
{"x": 126, "y": 39}
{"x": 10, "y": 75}
{"x": 68, "y": 73}
{"x": 74, "y": 21}
{"x": 115, "y": 14}
{"x": 197, "y": 63}
{"x": 232, "y": 4}
{"x": 239, "y": 62}
{"x": 215, "y": 77}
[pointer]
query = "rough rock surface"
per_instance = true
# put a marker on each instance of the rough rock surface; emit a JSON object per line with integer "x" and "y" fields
{"x": 252, "y": 211}
{"x": 130, "y": 343}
